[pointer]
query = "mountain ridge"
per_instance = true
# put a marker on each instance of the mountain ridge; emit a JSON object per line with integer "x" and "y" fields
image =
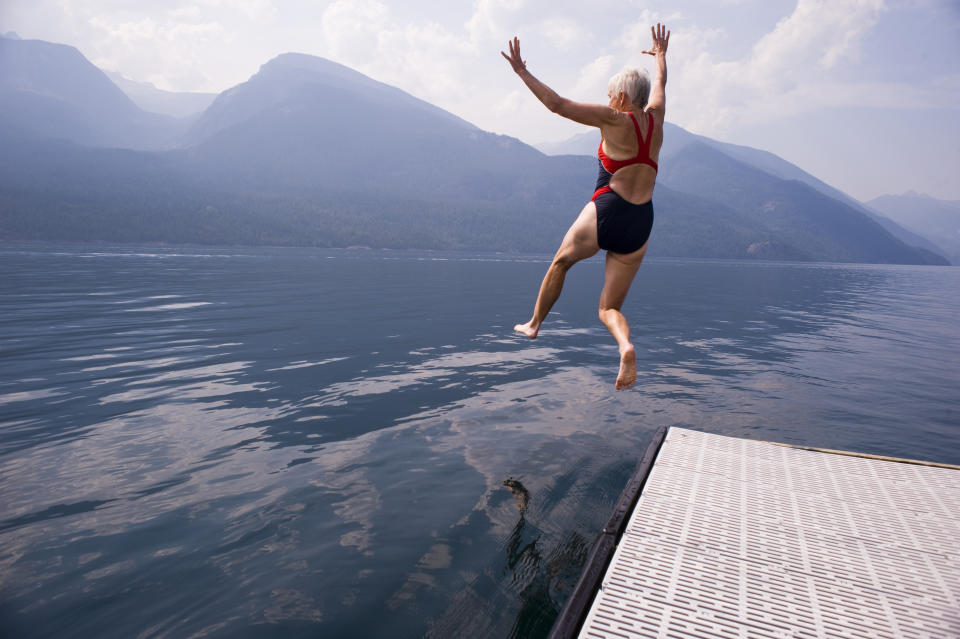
{"x": 288, "y": 72}
{"x": 310, "y": 152}
{"x": 935, "y": 219}
{"x": 147, "y": 96}
{"x": 816, "y": 223}
{"x": 52, "y": 90}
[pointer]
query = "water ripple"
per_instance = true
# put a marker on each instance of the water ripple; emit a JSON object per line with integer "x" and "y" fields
{"x": 289, "y": 438}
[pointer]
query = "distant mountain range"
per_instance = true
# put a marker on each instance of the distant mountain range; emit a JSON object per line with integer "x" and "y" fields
{"x": 51, "y": 91}
{"x": 149, "y": 98}
{"x": 309, "y": 152}
{"x": 938, "y": 220}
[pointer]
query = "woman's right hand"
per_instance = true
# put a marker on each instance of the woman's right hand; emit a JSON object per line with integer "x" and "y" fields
{"x": 514, "y": 58}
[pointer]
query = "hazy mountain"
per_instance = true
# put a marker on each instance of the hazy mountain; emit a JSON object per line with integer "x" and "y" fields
{"x": 308, "y": 123}
{"x": 149, "y": 98}
{"x": 55, "y": 190}
{"x": 937, "y": 220}
{"x": 906, "y": 236}
{"x": 51, "y": 91}
{"x": 796, "y": 214}
{"x": 309, "y": 152}
{"x": 283, "y": 78}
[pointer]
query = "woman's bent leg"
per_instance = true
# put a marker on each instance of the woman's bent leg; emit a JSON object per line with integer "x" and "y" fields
{"x": 618, "y": 276}
{"x": 579, "y": 243}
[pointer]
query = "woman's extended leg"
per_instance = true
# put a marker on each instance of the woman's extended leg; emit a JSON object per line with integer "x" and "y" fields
{"x": 579, "y": 243}
{"x": 618, "y": 276}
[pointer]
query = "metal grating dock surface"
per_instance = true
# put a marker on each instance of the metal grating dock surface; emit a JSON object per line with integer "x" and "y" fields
{"x": 738, "y": 538}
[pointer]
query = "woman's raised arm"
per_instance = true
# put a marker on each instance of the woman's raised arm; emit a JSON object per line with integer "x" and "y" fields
{"x": 658, "y": 92}
{"x": 589, "y": 114}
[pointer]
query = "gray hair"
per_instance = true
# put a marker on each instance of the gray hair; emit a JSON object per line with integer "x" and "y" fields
{"x": 634, "y": 84}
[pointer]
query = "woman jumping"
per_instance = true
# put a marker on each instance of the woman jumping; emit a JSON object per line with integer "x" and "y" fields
{"x": 619, "y": 217}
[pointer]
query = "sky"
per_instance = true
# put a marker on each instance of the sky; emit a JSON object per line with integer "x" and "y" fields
{"x": 863, "y": 94}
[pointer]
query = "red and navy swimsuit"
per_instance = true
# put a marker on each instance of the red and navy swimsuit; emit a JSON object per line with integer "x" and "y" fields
{"x": 623, "y": 227}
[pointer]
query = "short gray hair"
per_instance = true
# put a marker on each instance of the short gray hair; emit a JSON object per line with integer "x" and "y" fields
{"x": 634, "y": 84}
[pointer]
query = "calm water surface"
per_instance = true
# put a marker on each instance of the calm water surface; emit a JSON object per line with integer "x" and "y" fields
{"x": 302, "y": 443}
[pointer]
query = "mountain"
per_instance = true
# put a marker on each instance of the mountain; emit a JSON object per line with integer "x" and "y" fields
{"x": 907, "y": 236}
{"x": 281, "y": 78}
{"x": 306, "y": 152}
{"x": 308, "y": 123}
{"x": 796, "y": 215}
{"x": 50, "y": 90}
{"x": 309, "y": 152}
{"x": 172, "y": 103}
{"x": 51, "y": 189}
{"x": 936, "y": 220}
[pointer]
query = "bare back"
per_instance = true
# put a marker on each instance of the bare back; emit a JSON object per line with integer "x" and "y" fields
{"x": 633, "y": 183}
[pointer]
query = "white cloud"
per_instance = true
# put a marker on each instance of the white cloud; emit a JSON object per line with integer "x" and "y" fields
{"x": 489, "y": 19}
{"x": 257, "y": 9}
{"x": 592, "y": 84}
{"x": 564, "y": 33}
{"x": 511, "y": 102}
{"x": 787, "y": 72}
{"x": 176, "y": 38}
{"x": 817, "y": 29}
{"x": 636, "y": 35}
{"x": 426, "y": 59}
{"x": 352, "y": 29}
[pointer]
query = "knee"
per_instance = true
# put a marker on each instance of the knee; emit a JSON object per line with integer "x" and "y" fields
{"x": 563, "y": 262}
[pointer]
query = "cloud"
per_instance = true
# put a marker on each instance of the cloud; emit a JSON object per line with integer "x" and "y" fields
{"x": 826, "y": 31}
{"x": 564, "y": 33}
{"x": 592, "y": 83}
{"x": 177, "y": 38}
{"x": 636, "y": 35}
{"x": 489, "y": 19}
{"x": 511, "y": 102}
{"x": 352, "y": 29}
{"x": 789, "y": 71}
{"x": 426, "y": 58}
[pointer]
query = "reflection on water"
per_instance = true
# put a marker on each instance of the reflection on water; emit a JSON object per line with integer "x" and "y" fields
{"x": 286, "y": 442}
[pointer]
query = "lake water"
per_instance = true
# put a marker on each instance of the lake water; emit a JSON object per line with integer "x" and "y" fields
{"x": 299, "y": 443}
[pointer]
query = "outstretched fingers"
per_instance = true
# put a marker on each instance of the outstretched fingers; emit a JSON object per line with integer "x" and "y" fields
{"x": 518, "y": 63}
{"x": 661, "y": 38}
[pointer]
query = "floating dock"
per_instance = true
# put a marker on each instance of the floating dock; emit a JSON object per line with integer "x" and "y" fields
{"x": 723, "y": 537}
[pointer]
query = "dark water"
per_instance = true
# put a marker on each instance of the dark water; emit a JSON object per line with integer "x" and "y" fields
{"x": 297, "y": 443}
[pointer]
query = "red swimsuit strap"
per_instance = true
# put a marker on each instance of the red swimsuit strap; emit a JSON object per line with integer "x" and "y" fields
{"x": 643, "y": 149}
{"x": 640, "y": 142}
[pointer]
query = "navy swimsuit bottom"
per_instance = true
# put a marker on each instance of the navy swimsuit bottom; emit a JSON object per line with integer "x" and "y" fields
{"x": 622, "y": 227}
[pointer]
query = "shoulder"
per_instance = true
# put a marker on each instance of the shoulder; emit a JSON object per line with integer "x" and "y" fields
{"x": 657, "y": 114}
{"x": 619, "y": 125}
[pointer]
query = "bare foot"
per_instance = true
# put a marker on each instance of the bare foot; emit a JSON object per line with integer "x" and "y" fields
{"x": 527, "y": 329}
{"x": 628, "y": 369}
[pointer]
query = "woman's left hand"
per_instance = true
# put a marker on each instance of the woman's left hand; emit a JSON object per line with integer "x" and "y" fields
{"x": 661, "y": 38}
{"x": 514, "y": 58}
